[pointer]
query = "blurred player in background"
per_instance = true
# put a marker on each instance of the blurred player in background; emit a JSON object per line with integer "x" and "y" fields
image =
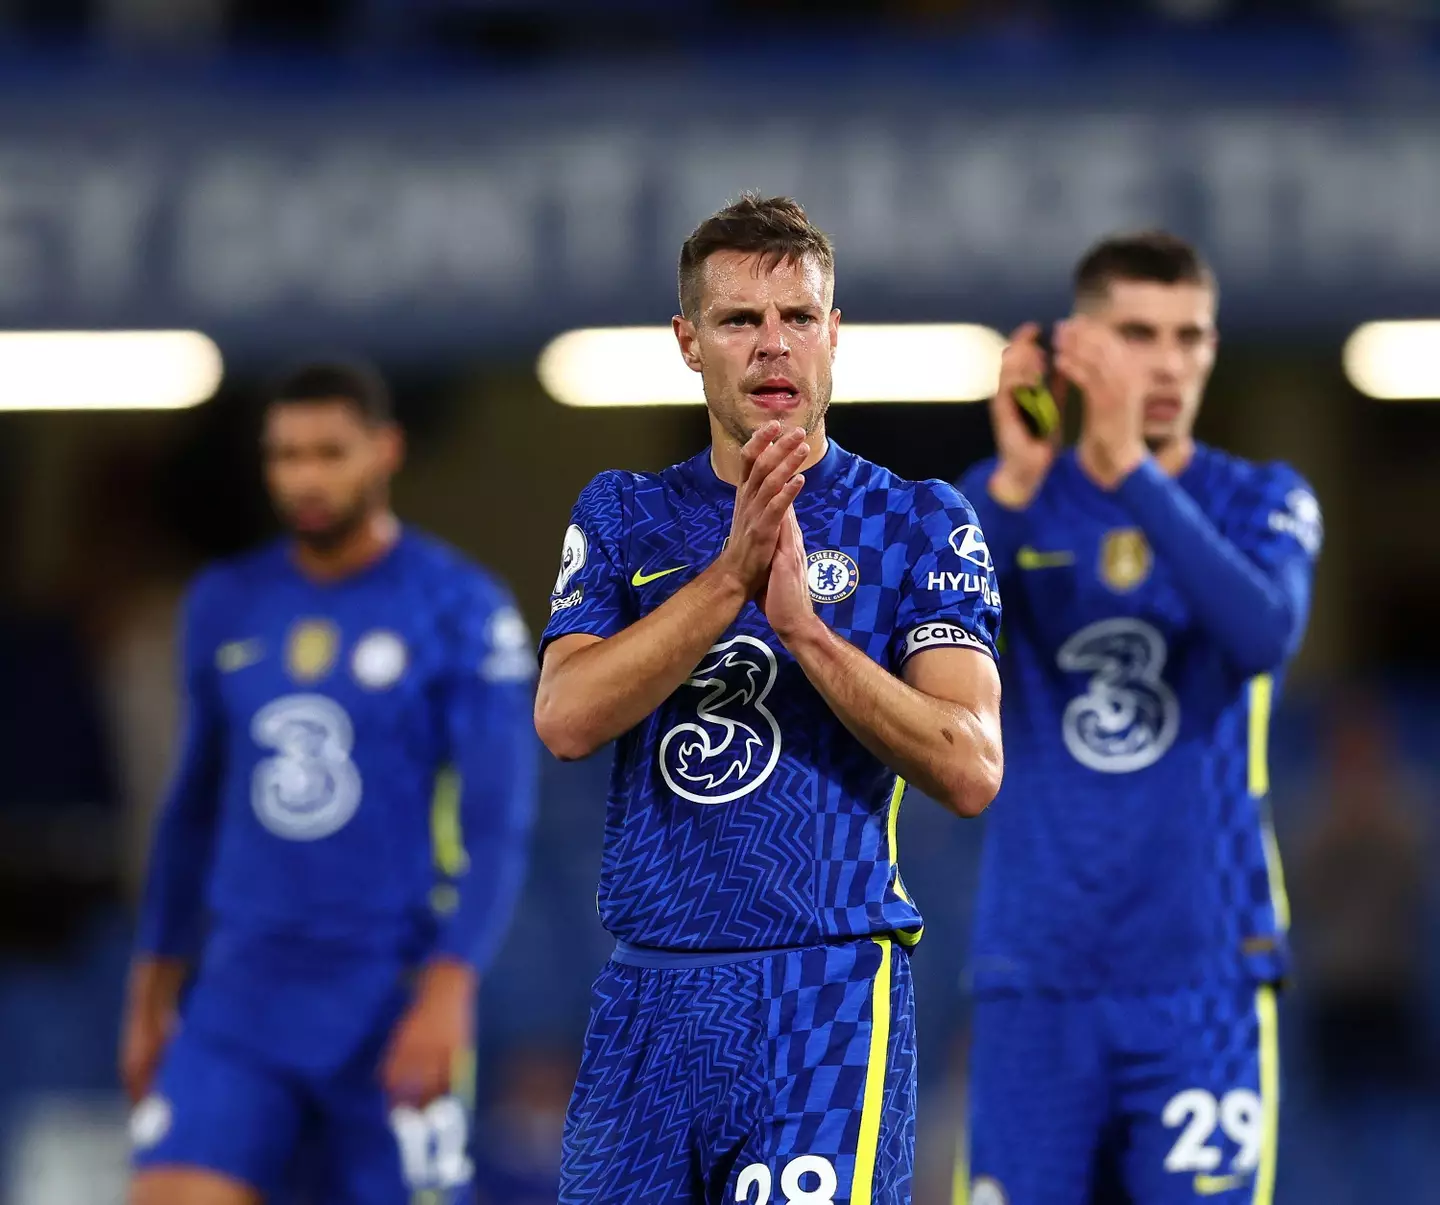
{"x": 332, "y": 679}
{"x": 778, "y": 634}
{"x": 1132, "y": 917}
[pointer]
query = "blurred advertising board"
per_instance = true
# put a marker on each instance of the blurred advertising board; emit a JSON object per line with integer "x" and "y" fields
{"x": 471, "y": 217}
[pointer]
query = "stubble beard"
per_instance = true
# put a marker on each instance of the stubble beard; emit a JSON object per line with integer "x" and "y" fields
{"x": 345, "y": 526}
{"x": 734, "y": 425}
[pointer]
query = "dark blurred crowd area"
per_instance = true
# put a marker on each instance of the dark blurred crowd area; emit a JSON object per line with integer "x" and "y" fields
{"x": 517, "y": 31}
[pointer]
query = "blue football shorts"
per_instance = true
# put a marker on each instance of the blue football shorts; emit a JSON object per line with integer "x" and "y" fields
{"x": 758, "y": 1078}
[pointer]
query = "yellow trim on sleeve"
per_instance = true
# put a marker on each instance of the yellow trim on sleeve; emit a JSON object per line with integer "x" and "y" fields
{"x": 1279, "y": 897}
{"x": 446, "y": 837}
{"x": 868, "y": 1146}
{"x": 1262, "y": 695}
{"x": 891, "y": 837}
{"x": 909, "y": 938}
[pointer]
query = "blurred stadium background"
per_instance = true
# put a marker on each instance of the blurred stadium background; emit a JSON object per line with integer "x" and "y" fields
{"x": 445, "y": 185}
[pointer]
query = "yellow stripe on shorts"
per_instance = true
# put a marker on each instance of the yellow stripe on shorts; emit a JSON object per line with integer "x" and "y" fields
{"x": 1268, "y": 1018}
{"x": 863, "y": 1185}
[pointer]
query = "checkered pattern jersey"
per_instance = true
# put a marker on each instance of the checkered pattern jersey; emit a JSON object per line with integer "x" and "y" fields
{"x": 742, "y": 814}
{"x": 1130, "y": 847}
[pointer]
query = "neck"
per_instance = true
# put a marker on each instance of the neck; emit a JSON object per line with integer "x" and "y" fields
{"x": 357, "y": 550}
{"x": 726, "y": 458}
{"x": 1174, "y": 457}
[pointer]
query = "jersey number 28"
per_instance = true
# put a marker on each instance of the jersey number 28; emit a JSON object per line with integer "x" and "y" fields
{"x": 754, "y": 1185}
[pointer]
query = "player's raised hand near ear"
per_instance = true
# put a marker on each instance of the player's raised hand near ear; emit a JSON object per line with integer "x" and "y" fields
{"x": 1024, "y": 458}
{"x": 771, "y": 462}
{"x": 1088, "y": 353}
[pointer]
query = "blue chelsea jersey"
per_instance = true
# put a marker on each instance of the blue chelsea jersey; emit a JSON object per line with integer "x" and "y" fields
{"x": 320, "y": 718}
{"x": 1129, "y": 847}
{"x": 742, "y": 814}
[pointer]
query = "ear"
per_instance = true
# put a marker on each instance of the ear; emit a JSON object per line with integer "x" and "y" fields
{"x": 689, "y": 342}
{"x": 834, "y": 331}
{"x": 392, "y": 448}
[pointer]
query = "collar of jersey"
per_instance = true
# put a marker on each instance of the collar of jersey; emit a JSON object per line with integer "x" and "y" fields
{"x": 819, "y": 476}
{"x": 281, "y": 550}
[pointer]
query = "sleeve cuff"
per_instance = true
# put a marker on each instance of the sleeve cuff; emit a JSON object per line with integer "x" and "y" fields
{"x": 1143, "y": 488}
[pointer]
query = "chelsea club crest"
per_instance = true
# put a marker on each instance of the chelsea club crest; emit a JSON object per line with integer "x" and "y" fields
{"x": 1125, "y": 559}
{"x": 311, "y": 649}
{"x": 832, "y": 576}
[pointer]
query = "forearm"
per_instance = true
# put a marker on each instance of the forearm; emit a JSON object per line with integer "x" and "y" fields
{"x": 172, "y": 908}
{"x": 497, "y": 814}
{"x": 1251, "y": 616}
{"x": 602, "y": 691}
{"x": 449, "y": 983}
{"x": 154, "y": 985}
{"x": 950, "y": 751}
{"x": 476, "y": 929}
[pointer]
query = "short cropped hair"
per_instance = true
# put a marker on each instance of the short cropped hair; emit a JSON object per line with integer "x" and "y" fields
{"x": 776, "y": 228}
{"x": 1147, "y": 256}
{"x": 357, "y": 384}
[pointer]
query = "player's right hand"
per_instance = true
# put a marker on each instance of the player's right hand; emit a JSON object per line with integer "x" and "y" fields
{"x": 141, "y": 1045}
{"x": 1024, "y": 458}
{"x": 770, "y": 462}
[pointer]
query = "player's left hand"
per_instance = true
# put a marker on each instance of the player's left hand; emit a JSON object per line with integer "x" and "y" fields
{"x": 1090, "y": 355}
{"x": 785, "y": 600}
{"x": 432, "y": 1037}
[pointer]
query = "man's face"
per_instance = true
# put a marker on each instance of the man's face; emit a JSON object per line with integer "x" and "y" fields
{"x": 1168, "y": 335}
{"x": 325, "y": 467}
{"x": 763, "y": 340}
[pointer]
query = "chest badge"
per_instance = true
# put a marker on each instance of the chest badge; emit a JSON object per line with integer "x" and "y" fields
{"x": 379, "y": 660}
{"x": 1125, "y": 559}
{"x": 832, "y": 576}
{"x": 311, "y": 649}
{"x": 236, "y": 655}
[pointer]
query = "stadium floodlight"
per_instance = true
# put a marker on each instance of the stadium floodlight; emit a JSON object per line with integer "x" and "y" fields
{"x": 107, "y": 370}
{"x": 641, "y": 366}
{"x": 1395, "y": 361}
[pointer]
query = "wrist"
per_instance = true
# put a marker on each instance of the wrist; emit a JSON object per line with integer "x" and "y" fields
{"x": 154, "y": 984}
{"x": 1108, "y": 463}
{"x": 447, "y": 978}
{"x": 804, "y": 636}
{"x": 1125, "y": 459}
{"x": 724, "y": 583}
